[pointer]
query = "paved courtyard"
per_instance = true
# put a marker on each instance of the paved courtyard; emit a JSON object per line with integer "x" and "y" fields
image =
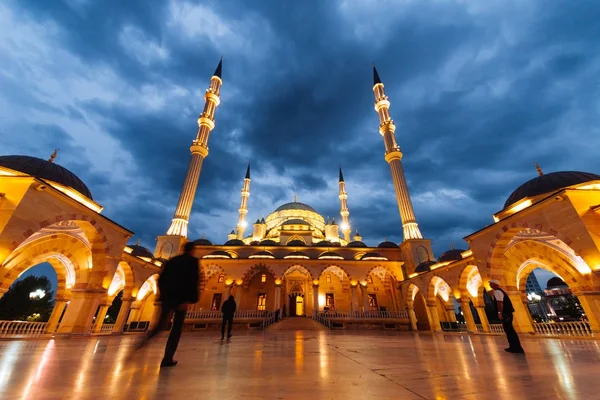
{"x": 302, "y": 364}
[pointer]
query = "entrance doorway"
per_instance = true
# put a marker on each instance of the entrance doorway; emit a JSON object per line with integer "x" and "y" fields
{"x": 296, "y": 305}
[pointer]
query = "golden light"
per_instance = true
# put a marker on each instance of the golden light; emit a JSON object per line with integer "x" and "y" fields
{"x": 239, "y": 282}
{"x": 467, "y": 253}
{"x": 228, "y": 281}
{"x": 412, "y": 275}
{"x": 354, "y": 282}
{"x": 278, "y": 282}
{"x": 521, "y": 206}
{"x": 128, "y": 249}
{"x": 315, "y": 282}
{"x": 363, "y": 283}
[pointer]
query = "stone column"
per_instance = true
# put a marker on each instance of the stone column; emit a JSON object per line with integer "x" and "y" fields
{"x": 80, "y": 313}
{"x": 483, "y": 318}
{"x": 59, "y": 307}
{"x": 123, "y": 313}
{"x": 450, "y": 313}
{"x": 434, "y": 317}
{"x": 155, "y": 315}
{"x": 590, "y": 301}
{"x": 412, "y": 317}
{"x": 365, "y": 298}
{"x": 354, "y": 299}
{"x": 466, "y": 309}
{"x": 523, "y": 323}
{"x": 315, "y": 298}
{"x": 100, "y": 317}
{"x": 277, "y": 297}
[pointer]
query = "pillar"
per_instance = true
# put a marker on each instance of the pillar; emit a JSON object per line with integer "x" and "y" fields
{"x": 354, "y": 298}
{"x": 315, "y": 298}
{"x": 59, "y": 307}
{"x": 123, "y": 313}
{"x": 277, "y": 297}
{"x": 80, "y": 313}
{"x": 365, "y": 298}
{"x": 100, "y": 317}
{"x": 412, "y": 317}
{"x": 483, "y": 318}
{"x": 590, "y": 302}
{"x": 523, "y": 323}
{"x": 466, "y": 309}
{"x": 434, "y": 317}
{"x": 238, "y": 296}
{"x": 450, "y": 313}
{"x": 155, "y": 315}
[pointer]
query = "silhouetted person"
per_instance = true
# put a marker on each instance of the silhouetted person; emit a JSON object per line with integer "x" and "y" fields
{"x": 178, "y": 285}
{"x": 505, "y": 313}
{"x": 228, "y": 310}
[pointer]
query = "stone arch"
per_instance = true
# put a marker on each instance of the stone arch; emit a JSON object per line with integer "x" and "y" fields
{"x": 207, "y": 272}
{"x": 470, "y": 284}
{"x": 416, "y": 301}
{"x": 117, "y": 284}
{"x": 381, "y": 271}
{"x": 258, "y": 268}
{"x": 295, "y": 237}
{"x": 69, "y": 256}
{"x": 150, "y": 286}
{"x": 438, "y": 287}
{"x": 422, "y": 254}
{"x": 298, "y": 267}
{"x": 340, "y": 272}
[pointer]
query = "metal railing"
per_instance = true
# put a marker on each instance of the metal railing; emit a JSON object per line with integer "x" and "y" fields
{"x": 244, "y": 314}
{"x": 322, "y": 320}
{"x": 365, "y": 314}
{"x": 575, "y": 328}
{"x": 268, "y": 321}
{"x": 22, "y": 328}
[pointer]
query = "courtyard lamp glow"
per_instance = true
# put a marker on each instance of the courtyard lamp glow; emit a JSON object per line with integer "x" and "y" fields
{"x": 38, "y": 294}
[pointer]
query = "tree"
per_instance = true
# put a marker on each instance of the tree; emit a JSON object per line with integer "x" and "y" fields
{"x": 16, "y": 304}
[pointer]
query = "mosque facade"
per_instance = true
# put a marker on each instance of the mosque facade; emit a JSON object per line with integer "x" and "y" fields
{"x": 294, "y": 261}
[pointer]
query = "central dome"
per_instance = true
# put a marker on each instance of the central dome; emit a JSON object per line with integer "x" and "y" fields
{"x": 45, "y": 170}
{"x": 549, "y": 183}
{"x": 295, "y": 205}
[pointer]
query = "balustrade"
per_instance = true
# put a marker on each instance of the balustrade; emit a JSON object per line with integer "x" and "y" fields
{"x": 22, "y": 328}
{"x": 575, "y": 328}
{"x": 365, "y": 314}
{"x": 244, "y": 314}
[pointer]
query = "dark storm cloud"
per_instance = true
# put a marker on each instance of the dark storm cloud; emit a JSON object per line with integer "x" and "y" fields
{"x": 479, "y": 92}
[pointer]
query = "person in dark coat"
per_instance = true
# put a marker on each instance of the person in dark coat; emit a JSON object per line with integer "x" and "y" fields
{"x": 178, "y": 286}
{"x": 505, "y": 313}
{"x": 228, "y": 309}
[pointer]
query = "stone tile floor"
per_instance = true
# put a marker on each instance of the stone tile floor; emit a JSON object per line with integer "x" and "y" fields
{"x": 302, "y": 364}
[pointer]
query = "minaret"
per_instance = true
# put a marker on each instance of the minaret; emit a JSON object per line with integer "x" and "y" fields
{"x": 393, "y": 156}
{"x": 241, "y": 225}
{"x": 199, "y": 150}
{"x": 344, "y": 208}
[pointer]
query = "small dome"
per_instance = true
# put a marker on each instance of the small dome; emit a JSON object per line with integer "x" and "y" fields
{"x": 295, "y": 221}
{"x": 356, "y": 243}
{"x": 218, "y": 254}
{"x": 323, "y": 243}
{"x": 451, "y": 255}
{"x": 297, "y": 255}
{"x": 268, "y": 242}
{"x": 234, "y": 242}
{"x": 262, "y": 254}
{"x": 295, "y": 206}
{"x": 254, "y": 243}
{"x": 549, "y": 183}
{"x": 140, "y": 251}
{"x": 424, "y": 266}
{"x": 387, "y": 245}
{"x": 556, "y": 282}
{"x": 373, "y": 256}
{"x": 295, "y": 242}
{"x": 202, "y": 242}
{"x": 45, "y": 170}
{"x": 330, "y": 255}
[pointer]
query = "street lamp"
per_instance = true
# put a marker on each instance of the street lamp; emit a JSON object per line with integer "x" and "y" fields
{"x": 38, "y": 294}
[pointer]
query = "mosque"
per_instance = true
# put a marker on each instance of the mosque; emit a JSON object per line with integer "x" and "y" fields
{"x": 295, "y": 261}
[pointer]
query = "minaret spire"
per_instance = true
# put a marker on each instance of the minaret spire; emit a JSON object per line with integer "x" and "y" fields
{"x": 199, "y": 150}
{"x": 344, "y": 212}
{"x": 393, "y": 156}
{"x": 241, "y": 225}
{"x": 53, "y": 156}
{"x": 538, "y": 169}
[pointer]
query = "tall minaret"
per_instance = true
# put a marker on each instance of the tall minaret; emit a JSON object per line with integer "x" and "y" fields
{"x": 344, "y": 208}
{"x": 241, "y": 225}
{"x": 393, "y": 156}
{"x": 199, "y": 150}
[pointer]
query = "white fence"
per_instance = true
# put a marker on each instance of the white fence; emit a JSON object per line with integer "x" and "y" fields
{"x": 244, "y": 314}
{"x": 320, "y": 319}
{"x": 365, "y": 314}
{"x": 10, "y": 329}
{"x": 494, "y": 328}
{"x": 575, "y": 328}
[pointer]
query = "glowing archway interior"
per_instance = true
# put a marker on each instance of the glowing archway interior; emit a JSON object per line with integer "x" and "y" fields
{"x": 442, "y": 289}
{"x": 149, "y": 285}
{"x": 118, "y": 281}
{"x": 473, "y": 283}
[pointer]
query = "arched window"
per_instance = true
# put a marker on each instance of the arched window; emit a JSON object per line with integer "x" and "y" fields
{"x": 369, "y": 279}
{"x": 221, "y": 278}
{"x": 422, "y": 254}
{"x": 328, "y": 278}
{"x": 263, "y": 278}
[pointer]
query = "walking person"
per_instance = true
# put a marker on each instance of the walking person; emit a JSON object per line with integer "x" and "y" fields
{"x": 228, "y": 309}
{"x": 505, "y": 313}
{"x": 178, "y": 285}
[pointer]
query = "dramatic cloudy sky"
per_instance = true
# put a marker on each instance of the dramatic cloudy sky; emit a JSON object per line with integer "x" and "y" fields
{"x": 479, "y": 90}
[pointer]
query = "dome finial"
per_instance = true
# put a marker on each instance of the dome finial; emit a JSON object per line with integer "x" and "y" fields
{"x": 538, "y": 169}
{"x": 138, "y": 242}
{"x": 53, "y": 156}
{"x": 295, "y": 200}
{"x": 451, "y": 246}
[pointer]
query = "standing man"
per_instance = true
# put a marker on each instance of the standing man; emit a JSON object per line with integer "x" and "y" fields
{"x": 178, "y": 285}
{"x": 228, "y": 310}
{"x": 505, "y": 313}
